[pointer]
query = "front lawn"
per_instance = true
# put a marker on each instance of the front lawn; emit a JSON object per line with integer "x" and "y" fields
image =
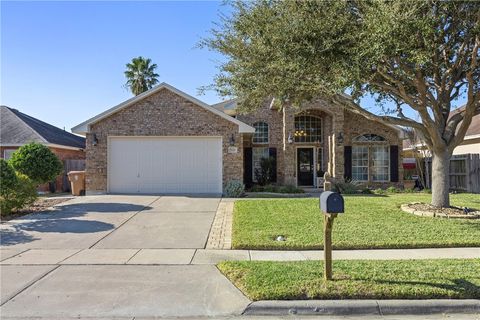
{"x": 356, "y": 279}
{"x": 369, "y": 222}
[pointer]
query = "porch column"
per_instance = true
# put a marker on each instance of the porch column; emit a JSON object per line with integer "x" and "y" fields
{"x": 337, "y": 144}
{"x": 289, "y": 148}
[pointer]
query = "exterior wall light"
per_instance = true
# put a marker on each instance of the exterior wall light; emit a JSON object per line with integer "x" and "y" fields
{"x": 290, "y": 139}
{"x": 95, "y": 139}
{"x": 340, "y": 137}
{"x": 232, "y": 140}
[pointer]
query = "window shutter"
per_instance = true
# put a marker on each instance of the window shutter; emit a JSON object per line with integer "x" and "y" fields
{"x": 393, "y": 163}
{"x": 347, "y": 155}
{"x": 247, "y": 167}
{"x": 272, "y": 152}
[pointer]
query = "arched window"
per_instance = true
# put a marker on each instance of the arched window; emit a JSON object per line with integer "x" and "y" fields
{"x": 308, "y": 129}
{"x": 369, "y": 137}
{"x": 261, "y": 132}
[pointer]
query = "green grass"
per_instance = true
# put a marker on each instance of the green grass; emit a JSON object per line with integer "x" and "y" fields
{"x": 356, "y": 279}
{"x": 369, "y": 222}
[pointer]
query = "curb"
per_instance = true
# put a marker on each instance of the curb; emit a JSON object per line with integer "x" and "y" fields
{"x": 361, "y": 307}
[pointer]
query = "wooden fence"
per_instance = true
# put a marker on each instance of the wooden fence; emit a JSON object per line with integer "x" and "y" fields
{"x": 71, "y": 165}
{"x": 464, "y": 172}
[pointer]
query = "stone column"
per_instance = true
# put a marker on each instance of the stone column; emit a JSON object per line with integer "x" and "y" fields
{"x": 289, "y": 148}
{"x": 338, "y": 144}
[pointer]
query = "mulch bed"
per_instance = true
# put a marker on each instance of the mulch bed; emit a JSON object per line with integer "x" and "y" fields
{"x": 427, "y": 210}
{"x": 41, "y": 205}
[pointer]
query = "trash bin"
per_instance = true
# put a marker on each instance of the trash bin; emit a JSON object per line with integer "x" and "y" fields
{"x": 77, "y": 182}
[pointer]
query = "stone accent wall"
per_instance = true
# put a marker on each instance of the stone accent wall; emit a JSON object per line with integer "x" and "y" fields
{"x": 339, "y": 128}
{"x": 332, "y": 128}
{"x": 161, "y": 114}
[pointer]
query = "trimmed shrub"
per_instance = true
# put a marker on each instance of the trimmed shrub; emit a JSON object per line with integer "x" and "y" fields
{"x": 392, "y": 189}
{"x": 290, "y": 189}
{"x": 37, "y": 162}
{"x": 379, "y": 191}
{"x": 347, "y": 186}
{"x": 366, "y": 191}
{"x": 8, "y": 178}
{"x": 21, "y": 194}
{"x": 234, "y": 189}
{"x": 265, "y": 173}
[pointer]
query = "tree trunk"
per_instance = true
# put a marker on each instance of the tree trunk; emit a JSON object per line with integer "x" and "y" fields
{"x": 441, "y": 179}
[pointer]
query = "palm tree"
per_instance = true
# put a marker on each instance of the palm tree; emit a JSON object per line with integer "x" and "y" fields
{"x": 140, "y": 75}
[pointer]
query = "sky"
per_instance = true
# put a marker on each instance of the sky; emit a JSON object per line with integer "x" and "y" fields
{"x": 63, "y": 62}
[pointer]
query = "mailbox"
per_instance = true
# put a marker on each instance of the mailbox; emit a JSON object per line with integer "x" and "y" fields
{"x": 331, "y": 202}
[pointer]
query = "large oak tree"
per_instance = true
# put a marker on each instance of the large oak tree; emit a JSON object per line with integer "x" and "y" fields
{"x": 419, "y": 56}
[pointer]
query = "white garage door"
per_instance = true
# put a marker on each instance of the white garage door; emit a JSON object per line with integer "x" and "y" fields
{"x": 165, "y": 165}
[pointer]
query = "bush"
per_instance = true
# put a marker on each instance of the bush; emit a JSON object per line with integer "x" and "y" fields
{"x": 265, "y": 173}
{"x": 290, "y": 189}
{"x": 346, "y": 187}
{"x": 234, "y": 189}
{"x": 366, "y": 191}
{"x": 21, "y": 194}
{"x": 37, "y": 162}
{"x": 379, "y": 191}
{"x": 8, "y": 177}
{"x": 257, "y": 188}
{"x": 392, "y": 189}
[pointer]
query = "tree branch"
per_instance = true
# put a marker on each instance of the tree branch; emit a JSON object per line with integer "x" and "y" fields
{"x": 348, "y": 103}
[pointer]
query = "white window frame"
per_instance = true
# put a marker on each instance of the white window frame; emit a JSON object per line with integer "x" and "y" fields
{"x": 370, "y": 150}
{"x": 257, "y": 157}
{"x": 368, "y": 162}
{"x": 264, "y": 125}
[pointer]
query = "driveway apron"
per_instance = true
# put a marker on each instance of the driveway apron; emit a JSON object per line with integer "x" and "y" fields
{"x": 148, "y": 284}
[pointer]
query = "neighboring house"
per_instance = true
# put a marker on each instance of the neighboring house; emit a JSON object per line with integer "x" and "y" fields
{"x": 166, "y": 141}
{"x": 18, "y": 129}
{"x": 464, "y": 164}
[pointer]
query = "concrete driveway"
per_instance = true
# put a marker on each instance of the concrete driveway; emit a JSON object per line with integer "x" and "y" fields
{"x": 114, "y": 256}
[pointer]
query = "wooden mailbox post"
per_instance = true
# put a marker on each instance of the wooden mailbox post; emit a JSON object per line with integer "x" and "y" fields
{"x": 331, "y": 204}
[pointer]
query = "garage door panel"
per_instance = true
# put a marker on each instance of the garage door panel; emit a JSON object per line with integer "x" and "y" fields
{"x": 165, "y": 165}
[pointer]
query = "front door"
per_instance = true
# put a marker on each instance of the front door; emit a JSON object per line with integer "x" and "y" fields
{"x": 305, "y": 166}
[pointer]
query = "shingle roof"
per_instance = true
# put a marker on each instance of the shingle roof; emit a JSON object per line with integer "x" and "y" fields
{"x": 474, "y": 127}
{"x": 18, "y": 128}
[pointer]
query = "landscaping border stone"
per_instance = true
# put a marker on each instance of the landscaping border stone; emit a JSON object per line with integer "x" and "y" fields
{"x": 407, "y": 208}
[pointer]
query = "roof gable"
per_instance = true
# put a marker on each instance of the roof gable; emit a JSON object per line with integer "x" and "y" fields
{"x": 18, "y": 128}
{"x": 84, "y": 127}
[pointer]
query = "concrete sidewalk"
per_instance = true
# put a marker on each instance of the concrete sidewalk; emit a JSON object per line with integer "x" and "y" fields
{"x": 210, "y": 257}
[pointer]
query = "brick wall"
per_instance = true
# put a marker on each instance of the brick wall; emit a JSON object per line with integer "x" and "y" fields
{"x": 339, "y": 128}
{"x": 161, "y": 114}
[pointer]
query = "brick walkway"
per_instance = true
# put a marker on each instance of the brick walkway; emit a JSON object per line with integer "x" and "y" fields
{"x": 220, "y": 236}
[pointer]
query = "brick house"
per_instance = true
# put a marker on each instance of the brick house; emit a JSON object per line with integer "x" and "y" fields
{"x": 18, "y": 129}
{"x": 166, "y": 141}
